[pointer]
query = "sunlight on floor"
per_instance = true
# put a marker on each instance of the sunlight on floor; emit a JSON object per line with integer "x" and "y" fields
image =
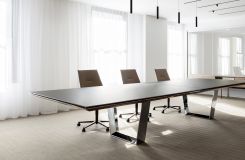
{"x": 153, "y": 121}
{"x": 200, "y": 100}
{"x": 231, "y": 109}
{"x": 167, "y": 132}
{"x": 228, "y": 106}
{"x": 129, "y": 145}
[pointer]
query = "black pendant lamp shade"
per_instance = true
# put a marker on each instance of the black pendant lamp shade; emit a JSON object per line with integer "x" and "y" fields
{"x": 179, "y": 17}
{"x": 196, "y": 22}
{"x": 157, "y": 9}
{"x": 196, "y": 19}
{"x": 131, "y": 6}
{"x": 178, "y": 12}
{"x": 157, "y": 12}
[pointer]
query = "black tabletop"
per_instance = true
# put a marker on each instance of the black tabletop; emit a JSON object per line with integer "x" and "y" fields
{"x": 92, "y": 98}
{"x": 229, "y": 76}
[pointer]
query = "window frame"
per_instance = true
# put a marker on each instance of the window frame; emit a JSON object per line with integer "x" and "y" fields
{"x": 222, "y": 57}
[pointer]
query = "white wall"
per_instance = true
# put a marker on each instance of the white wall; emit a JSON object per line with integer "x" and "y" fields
{"x": 156, "y": 46}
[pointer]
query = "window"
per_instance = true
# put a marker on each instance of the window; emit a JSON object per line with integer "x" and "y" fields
{"x": 109, "y": 43}
{"x": 176, "y": 52}
{"x": 239, "y": 57}
{"x": 4, "y": 41}
{"x": 224, "y": 56}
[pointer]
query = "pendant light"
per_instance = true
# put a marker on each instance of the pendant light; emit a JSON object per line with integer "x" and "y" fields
{"x": 196, "y": 15}
{"x": 131, "y": 6}
{"x": 157, "y": 9}
{"x": 178, "y": 12}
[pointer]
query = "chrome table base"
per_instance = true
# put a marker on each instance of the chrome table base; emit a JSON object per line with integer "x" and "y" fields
{"x": 212, "y": 110}
{"x": 142, "y": 128}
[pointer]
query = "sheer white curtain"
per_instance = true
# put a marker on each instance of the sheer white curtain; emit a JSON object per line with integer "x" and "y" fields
{"x": 193, "y": 54}
{"x": 109, "y": 43}
{"x": 49, "y": 45}
{"x": 52, "y": 39}
{"x": 117, "y": 43}
{"x": 136, "y": 44}
{"x": 176, "y": 54}
{"x": 5, "y": 41}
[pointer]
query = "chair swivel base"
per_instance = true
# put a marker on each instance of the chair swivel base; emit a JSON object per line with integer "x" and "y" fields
{"x": 178, "y": 108}
{"x": 133, "y": 115}
{"x": 92, "y": 123}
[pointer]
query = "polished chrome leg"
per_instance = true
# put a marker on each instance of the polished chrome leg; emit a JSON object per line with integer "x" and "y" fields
{"x": 212, "y": 110}
{"x": 185, "y": 101}
{"x": 214, "y": 101}
{"x": 221, "y": 93}
{"x": 113, "y": 122}
{"x": 228, "y": 92}
{"x": 141, "y": 134}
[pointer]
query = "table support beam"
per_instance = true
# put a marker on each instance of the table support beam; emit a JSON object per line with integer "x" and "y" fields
{"x": 212, "y": 110}
{"x": 142, "y": 128}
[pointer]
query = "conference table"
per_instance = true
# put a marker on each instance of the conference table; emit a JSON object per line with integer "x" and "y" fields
{"x": 233, "y": 77}
{"x": 229, "y": 76}
{"x": 112, "y": 97}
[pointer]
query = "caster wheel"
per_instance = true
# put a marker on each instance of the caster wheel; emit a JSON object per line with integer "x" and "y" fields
{"x": 116, "y": 119}
{"x": 120, "y": 116}
{"x": 163, "y": 111}
{"x": 179, "y": 111}
{"x": 107, "y": 129}
{"x": 154, "y": 108}
{"x": 83, "y": 130}
{"x": 150, "y": 115}
{"x": 128, "y": 120}
{"x": 78, "y": 124}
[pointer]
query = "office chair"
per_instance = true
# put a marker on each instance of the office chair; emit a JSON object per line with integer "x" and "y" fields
{"x": 90, "y": 78}
{"x": 162, "y": 75}
{"x": 130, "y": 76}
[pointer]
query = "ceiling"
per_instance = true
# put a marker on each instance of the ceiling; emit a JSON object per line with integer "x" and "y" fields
{"x": 169, "y": 8}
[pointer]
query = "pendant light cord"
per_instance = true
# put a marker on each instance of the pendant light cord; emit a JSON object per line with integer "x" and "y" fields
{"x": 131, "y": 6}
{"x": 178, "y": 6}
{"x": 178, "y": 11}
{"x": 196, "y": 7}
{"x": 196, "y": 15}
{"x": 157, "y": 9}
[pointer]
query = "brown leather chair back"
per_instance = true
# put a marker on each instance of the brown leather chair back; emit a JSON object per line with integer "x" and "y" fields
{"x": 129, "y": 76}
{"x": 89, "y": 78}
{"x": 162, "y": 75}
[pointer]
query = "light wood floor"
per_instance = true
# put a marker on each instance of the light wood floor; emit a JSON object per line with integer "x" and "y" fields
{"x": 170, "y": 136}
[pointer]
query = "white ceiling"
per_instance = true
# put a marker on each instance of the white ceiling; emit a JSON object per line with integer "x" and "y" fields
{"x": 169, "y": 9}
{"x": 234, "y": 31}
